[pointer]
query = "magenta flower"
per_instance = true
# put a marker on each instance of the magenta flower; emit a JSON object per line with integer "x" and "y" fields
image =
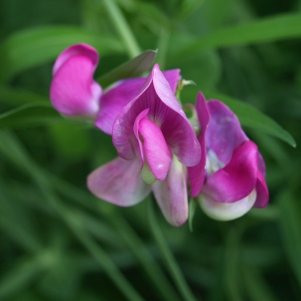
{"x": 155, "y": 142}
{"x": 229, "y": 179}
{"x": 74, "y": 93}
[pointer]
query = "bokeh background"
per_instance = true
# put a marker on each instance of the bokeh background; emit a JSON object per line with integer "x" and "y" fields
{"x": 58, "y": 242}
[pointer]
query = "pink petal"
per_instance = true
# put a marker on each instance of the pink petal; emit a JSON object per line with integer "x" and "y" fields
{"x": 140, "y": 154}
{"x": 73, "y": 91}
{"x": 164, "y": 110}
{"x": 237, "y": 179}
{"x": 224, "y": 132}
{"x": 78, "y": 49}
{"x": 262, "y": 192}
{"x": 261, "y": 165}
{"x": 197, "y": 173}
{"x": 118, "y": 96}
{"x": 156, "y": 150}
{"x": 173, "y": 77}
{"x": 114, "y": 100}
{"x": 119, "y": 182}
{"x": 171, "y": 194}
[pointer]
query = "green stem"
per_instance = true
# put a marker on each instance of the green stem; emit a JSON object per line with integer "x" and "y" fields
{"x": 232, "y": 273}
{"x": 15, "y": 151}
{"x": 149, "y": 264}
{"x": 122, "y": 28}
{"x": 170, "y": 261}
{"x": 126, "y": 232}
{"x": 104, "y": 260}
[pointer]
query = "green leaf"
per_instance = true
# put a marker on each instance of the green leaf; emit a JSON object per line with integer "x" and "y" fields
{"x": 256, "y": 285}
{"x": 290, "y": 226}
{"x": 132, "y": 68}
{"x": 264, "y": 30}
{"x": 31, "y": 114}
{"x": 29, "y": 48}
{"x": 70, "y": 139}
{"x": 187, "y": 8}
{"x": 252, "y": 118}
{"x": 18, "y": 96}
{"x": 23, "y": 273}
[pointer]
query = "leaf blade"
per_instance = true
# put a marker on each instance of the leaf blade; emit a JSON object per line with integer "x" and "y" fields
{"x": 30, "y": 114}
{"x": 132, "y": 68}
{"x": 263, "y": 30}
{"x": 43, "y": 44}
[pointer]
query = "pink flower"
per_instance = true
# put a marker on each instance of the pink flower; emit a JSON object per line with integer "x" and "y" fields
{"x": 74, "y": 93}
{"x": 229, "y": 179}
{"x": 155, "y": 142}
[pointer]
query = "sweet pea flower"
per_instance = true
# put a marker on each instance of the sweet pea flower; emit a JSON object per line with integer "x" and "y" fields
{"x": 155, "y": 142}
{"x": 75, "y": 94}
{"x": 230, "y": 177}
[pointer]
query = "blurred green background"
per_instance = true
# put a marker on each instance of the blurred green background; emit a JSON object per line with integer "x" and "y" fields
{"x": 57, "y": 242}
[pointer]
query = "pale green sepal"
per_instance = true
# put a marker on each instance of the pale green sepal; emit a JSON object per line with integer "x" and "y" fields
{"x": 192, "y": 208}
{"x": 147, "y": 175}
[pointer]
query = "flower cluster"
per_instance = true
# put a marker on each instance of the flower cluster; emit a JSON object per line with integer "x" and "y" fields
{"x": 158, "y": 148}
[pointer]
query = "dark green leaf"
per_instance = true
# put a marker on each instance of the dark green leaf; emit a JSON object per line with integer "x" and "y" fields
{"x": 32, "y": 47}
{"x": 265, "y": 30}
{"x": 31, "y": 114}
{"x": 256, "y": 286}
{"x": 132, "y": 68}
{"x": 17, "y": 96}
{"x": 290, "y": 227}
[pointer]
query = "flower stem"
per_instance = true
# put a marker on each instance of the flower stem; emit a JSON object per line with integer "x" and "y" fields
{"x": 122, "y": 28}
{"x": 170, "y": 261}
{"x": 15, "y": 151}
{"x": 150, "y": 265}
{"x": 104, "y": 260}
{"x": 126, "y": 232}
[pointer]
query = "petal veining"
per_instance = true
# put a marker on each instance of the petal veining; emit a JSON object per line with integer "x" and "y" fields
{"x": 171, "y": 194}
{"x": 166, "y": 112}
{"x": 157, "y": 152}
{"x": 119, "y": 95}
{"x": 119, "y": 182}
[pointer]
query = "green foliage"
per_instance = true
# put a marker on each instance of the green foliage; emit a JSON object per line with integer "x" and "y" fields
{"x": 60, "y": 243}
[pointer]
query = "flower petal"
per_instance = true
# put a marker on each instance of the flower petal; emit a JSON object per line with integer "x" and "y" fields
{"x": 77, "y": 49}
{"x": 224, "y": 132}
{"x": 237, "y": 179}
{"x": 262, "y": 192}
{"x": 171, "y": 194}
{"x": 118, "y": 96}
{"x": 173, "y": 77}
{"x": 227, "y": 211}
{"x": 119, "y": 182}
{"x": 114, "y": 100}
{"x": 73, "y": 91}
{"x": 197, "y": 173}
{"x": 140, "y": 154}
{"x": 156, "y": 150}
{"x": 164, "y": 110}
